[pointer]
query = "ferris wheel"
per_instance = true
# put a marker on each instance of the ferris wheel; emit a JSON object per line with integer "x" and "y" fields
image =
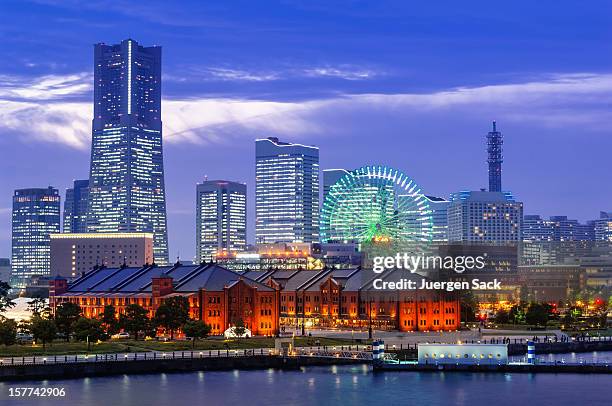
{"x": 376, "y": 203}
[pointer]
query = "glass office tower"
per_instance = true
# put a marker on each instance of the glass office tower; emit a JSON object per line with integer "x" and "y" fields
{"x": 286, "y": 192}
{"x": 36, "y": 215}
{"x": 220, "y": 218}
{"x": 75, "y": 207}
{"x": 126, "y": 184}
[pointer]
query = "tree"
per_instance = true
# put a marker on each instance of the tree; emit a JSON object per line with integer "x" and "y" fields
{"x": 537, "y": 314}
{"x": 239, "y": 328}
{"x": 109, "y": 319}
{"x": 88, "y": 330}
{"x": 134, "y": 320}
{"x": 196, "y": 329}
{"x": 66, "y": 315}
{"x": 469, "y": 306}
{"x": 502, "y": 317}
{"x": 517, "y": 314}
{"x": 43, "y": 330}
{"x": 38, "y": 307}
{"x": 172, "y": 314}
{"x": 5, "y": 302}
{"x": 8, "y": 331}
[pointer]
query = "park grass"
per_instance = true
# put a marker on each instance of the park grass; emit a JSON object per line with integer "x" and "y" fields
{"x": 63, "y": 348}
{"x": 119, "y": 346}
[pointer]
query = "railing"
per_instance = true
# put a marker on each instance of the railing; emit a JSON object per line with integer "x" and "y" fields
{"x": 341, "y": 352}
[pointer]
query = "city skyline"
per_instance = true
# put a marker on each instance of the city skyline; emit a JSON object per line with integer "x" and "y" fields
{"x": 304, "y": 107}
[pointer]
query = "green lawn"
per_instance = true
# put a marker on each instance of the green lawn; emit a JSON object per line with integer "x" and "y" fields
{"x": 63, "y": 348}
{"x": 72, "y": 348}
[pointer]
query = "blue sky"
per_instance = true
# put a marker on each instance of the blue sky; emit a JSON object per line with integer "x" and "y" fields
{"x": 405, "y": 84}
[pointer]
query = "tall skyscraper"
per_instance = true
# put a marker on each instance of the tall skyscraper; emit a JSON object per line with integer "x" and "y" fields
{"x": 495, "y": 141}
{"x": 439, "y": 218}
{"x": 286, "y": 192}
{"x": 330, "y": 177}
{"x": 220, "y": 218}
{"x": 36, "y": 215}
{"x": 483, "y": 216}
{"x": 126, "y": 183}
{"x": 75, "y": 207}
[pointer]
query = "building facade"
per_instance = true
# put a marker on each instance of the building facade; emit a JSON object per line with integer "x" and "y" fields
{"x": 286, "y": 192}
{"x": 556, "y": 228}
{"x": 126, "y": 183}
{"x": 73, "y": 254}
{"x": 345, "y": 298}
{"x": 439, "y": 217}
{"x": 220, "y": 218}
{"x": 36, "y": 215}
{"x": 602, "y": 227}
{"x": 216, "y": 295}
{"x": 330, "y": 177}
{"x": 75, "y": 207}
{"x": 482, "y": 216}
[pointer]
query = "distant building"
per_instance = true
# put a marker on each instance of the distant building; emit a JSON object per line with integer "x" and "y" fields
{"x": 75, "y": 207}
{"x": 36, "y": 215}
{"x": 5, "y": 269}
{"x": 535, "y": 228}
{"x": 220, "y": 218}
{"x": 571, "y": 230}
{"x": 286, "y": 192}
{"x": 330, "y": 177}
{"x": 74, "y": 254}
{"x": 495, "y": 141}
{"x": 602, "y": 227}
{"x": 439, "y": 217}
{"x": 126, "y": 181}
{"x": 551, "y": 283}
{"x": 481, "y": 216}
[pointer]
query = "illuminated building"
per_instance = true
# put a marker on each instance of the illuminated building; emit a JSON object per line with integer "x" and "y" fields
{"x": 75, "y": 207}
{"x": 495, "y": 141}
{"x": 220, "y": 218}
{"x": 439, "y": 218}
{"x": 36, "y": 215}
{"x": 603, "y": 227}
{"x": 126, "y": 183}
{"x": 286, "y": 192}
{"x": 481, "y": 216}
{"x": 345, "y": 298}
{"x": 551, "y": 283}
{"x": 74, "y": 254}
{"x": 216, "y": 295}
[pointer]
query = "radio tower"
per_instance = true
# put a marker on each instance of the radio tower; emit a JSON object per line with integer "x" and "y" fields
{"x": 495, "y": 141}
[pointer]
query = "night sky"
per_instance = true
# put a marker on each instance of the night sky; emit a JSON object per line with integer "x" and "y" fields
{"x": 400, "y": 83}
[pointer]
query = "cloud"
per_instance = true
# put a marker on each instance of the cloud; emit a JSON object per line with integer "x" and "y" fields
{"x": 41, "y": 109}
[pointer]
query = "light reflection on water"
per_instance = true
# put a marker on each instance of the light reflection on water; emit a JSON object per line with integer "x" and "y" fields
{"x": 336, "y": 385}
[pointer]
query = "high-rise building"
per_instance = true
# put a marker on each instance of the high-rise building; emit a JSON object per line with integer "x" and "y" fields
{"x": 126, "y": 183}
{"x": 220, "y": 218}
{"x": 286, "y": 192}
{"x": 74, "y": 253}
{"x": 36, "y": 215}
{"x": 495, "y": 141}
{"x": 439, "y": 216}
{"x": 571, "y": 230}
{"x": 481, "y": 216}
{"x": 330, "y": 177}
{"x": 75, "y": 207}
{"x": 535, "y": 228}
{"x": 602, "y": 227}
